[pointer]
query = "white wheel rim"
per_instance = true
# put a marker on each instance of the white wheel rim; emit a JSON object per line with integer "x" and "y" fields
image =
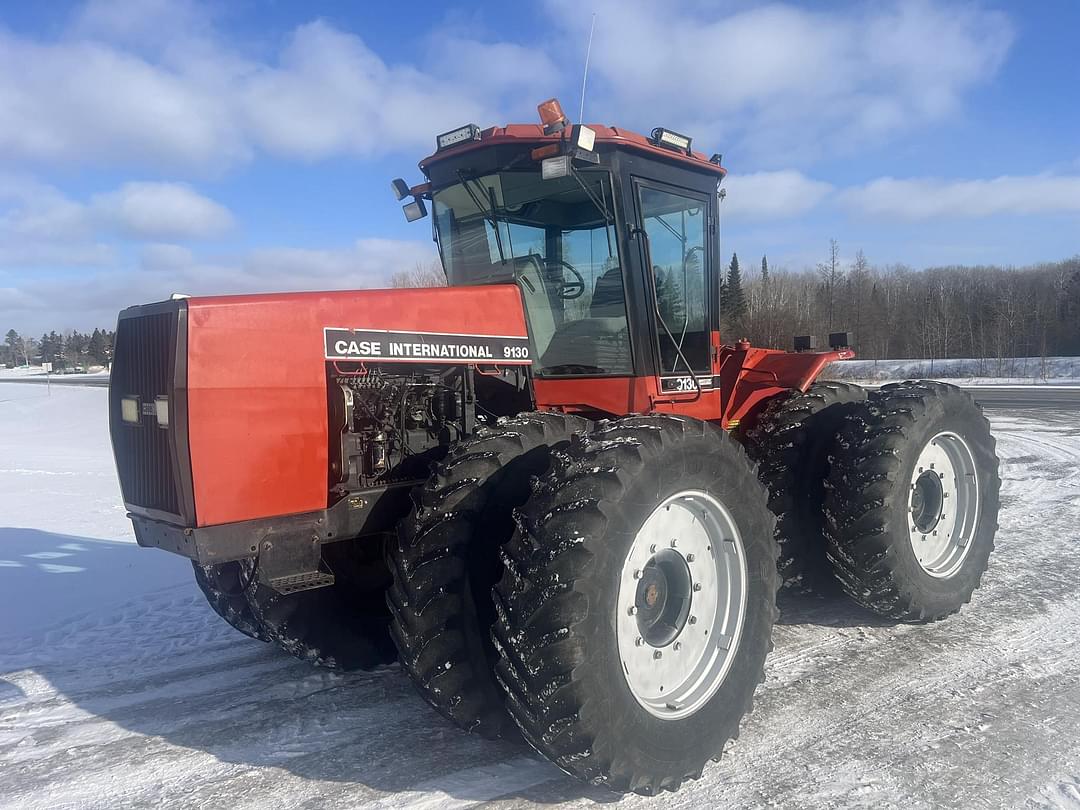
{"x": 943, "y": 505}
{"x": 676, "y": 650}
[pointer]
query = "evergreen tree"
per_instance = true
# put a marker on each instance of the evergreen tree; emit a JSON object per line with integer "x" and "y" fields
{"x": 11, "y": 340}
{"x": 764, "y": 271}
{"x": 96, "y": 347}
{"x": 668, "y": 299}
{"x": 735, "y": 298}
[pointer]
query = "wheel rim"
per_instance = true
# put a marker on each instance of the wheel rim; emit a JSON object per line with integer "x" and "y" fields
{"x": 943, "y": 505}
{"x": 681, "y": 604}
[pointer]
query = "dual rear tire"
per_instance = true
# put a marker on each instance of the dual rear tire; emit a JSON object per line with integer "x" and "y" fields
{"x": 912, "y": 500}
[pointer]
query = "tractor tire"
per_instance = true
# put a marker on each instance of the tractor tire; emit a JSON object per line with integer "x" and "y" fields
{"x": 223, "y": 586}
{"x": 913, "y": 500}
{"x": 644, "y": 562}
{"x": 792, "y": 442}
{"x": 340, "y": 626}
{"x": 445, "y": 561}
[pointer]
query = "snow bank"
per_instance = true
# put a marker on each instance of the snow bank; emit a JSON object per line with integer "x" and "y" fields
{"x": 965, "y": 371}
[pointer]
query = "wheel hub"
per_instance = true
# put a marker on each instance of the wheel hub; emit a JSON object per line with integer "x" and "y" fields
{"x": 663, "y": 597}
{"x": 943, "y": 504}
{"x": 682, "y": 599}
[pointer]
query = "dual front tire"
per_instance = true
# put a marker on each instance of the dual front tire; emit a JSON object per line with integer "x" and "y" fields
{"x": 627, "y": 624}
{"x": 636, "y": 609}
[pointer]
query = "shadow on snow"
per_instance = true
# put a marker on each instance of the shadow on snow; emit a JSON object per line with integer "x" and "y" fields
{"x": 125, "y": 635}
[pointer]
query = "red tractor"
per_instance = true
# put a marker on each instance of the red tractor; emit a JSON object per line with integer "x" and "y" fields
{"x": 549, "y": 489}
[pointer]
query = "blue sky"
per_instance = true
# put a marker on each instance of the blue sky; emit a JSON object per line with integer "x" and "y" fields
{"x": 152, "y": 147}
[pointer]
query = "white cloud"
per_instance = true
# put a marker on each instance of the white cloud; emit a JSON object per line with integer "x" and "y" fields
{"x": 41, "y": 226}
{"x": 779, "y": 80}
{"x": 83, "y": 101}
{"x": 101, "y": 95}
{"x": 927, "y": 198}
{"x": 772, "y": 195}
{"x": 158, "y": 256}
{"x": 161, "y": 211}
{"x": 87, "y": 300}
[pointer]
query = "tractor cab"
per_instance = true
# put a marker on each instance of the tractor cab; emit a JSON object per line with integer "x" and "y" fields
{"x": 611, "y": 237}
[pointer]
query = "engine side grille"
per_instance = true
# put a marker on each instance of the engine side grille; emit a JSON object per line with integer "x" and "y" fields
{"x": 149, "y": 351}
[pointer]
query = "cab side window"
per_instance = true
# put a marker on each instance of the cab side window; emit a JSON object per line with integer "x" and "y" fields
{"x": 676, "y": 226}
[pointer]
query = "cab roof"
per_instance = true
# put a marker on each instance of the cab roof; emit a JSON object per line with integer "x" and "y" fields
{"x": 525, "y": 134}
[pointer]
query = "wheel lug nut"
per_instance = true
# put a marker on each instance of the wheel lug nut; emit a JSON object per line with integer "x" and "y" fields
{"x": 657, "y": 654}
{"x": 652, "y": 548}
{"x": 633, "y": 610}
{"x": 673, "y": 542}
{"x": 638, "y": 641}
{"x": 690, "y": 558}
{"x": 637, "y": 574}
{"x": 697, "y": 586}
{"x": 678, "y": 646}
{"x": 692, "y": 620}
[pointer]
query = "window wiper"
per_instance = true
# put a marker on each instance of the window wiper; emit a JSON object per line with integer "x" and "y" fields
{"x": 487, "y": 211}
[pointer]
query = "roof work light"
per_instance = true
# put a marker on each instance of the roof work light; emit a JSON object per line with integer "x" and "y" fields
{"x": 469, "y": 132}
{"x": 672, "y": 140}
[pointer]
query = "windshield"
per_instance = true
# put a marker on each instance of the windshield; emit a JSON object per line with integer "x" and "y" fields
{"x": 556, "y": 240}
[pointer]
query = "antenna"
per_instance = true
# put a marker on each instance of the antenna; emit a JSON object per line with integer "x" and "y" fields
{"x": 585, "y": 75}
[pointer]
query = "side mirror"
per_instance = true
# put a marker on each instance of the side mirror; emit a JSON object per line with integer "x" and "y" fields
{"x": 400, "y": 188}
{"x": 414, "y": 210}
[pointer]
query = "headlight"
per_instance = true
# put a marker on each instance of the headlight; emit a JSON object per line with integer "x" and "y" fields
{"x": 161, "y": 410}
{"x": 129, "y": 410}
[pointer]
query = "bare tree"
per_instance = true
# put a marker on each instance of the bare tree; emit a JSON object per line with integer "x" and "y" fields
{"x": 831, "y": 273}
{"x": 422, "y": 275}
{"x": 28, "y": 346}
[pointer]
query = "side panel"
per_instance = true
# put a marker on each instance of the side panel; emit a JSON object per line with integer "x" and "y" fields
{"x": 743, "y": 379}
{"x": 257, "y": 401}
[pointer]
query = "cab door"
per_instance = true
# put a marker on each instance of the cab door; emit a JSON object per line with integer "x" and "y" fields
{"x": 677, "y": 257}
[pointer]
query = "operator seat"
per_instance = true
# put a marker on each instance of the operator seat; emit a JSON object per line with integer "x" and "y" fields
{"x": 607, "y": 299}
{"x": 599, "y": 341}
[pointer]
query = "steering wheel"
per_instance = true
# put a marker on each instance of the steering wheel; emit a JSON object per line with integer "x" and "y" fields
{"x": 568, "y": 290}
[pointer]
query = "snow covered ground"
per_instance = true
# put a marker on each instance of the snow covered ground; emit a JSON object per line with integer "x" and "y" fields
{"x": 120, "y": 688}
{"x": 964, "y": 372}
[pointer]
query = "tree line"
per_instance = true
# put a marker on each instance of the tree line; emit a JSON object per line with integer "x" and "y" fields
{"x": 895, "y": 312}
{"x": 68, "y": 350}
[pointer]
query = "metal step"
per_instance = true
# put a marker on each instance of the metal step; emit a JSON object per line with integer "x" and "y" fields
{"x": 304, "y": 581}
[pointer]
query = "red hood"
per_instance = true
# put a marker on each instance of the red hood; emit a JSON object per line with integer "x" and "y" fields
{"x": 256, "y": 382}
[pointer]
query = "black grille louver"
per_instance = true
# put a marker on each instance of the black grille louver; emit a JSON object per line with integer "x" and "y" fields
{"x": 150, "y": 361}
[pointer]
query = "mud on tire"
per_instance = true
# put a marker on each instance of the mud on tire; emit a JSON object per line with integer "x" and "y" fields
{"x": 223, "y": 586}
{"x": 792, "y": 441}
{"x": 445, "y": 560}
{"x": 558, "y": 601}
{"x": 872, "y": 516}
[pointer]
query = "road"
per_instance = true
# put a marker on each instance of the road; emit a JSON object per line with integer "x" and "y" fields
{"x": 93, "y": 381}
{"x": 1023, "y": 396}
{"x": 990, "y": 396}
{"x": 152, "y": 701}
